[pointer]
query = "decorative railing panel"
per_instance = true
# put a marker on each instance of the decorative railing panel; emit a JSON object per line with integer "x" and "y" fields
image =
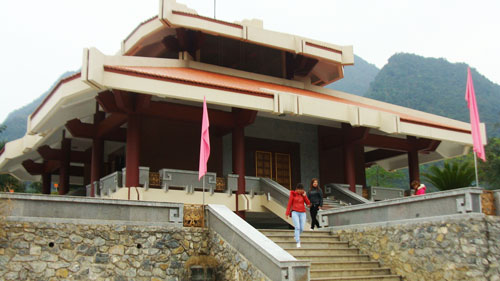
{"x": 187, "y": 180}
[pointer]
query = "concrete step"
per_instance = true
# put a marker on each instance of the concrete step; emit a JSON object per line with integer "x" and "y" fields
{"x": 290, "y": 232}
{"x": 332, "y": 258}
{"x": 360, "y": 278}
{"x": 313, "y": 245}
{"x": 288, "y": 238}
{"x": 318, "y": 265}
{"x": 321, "y": 251}
{"x": 350, "y": 272}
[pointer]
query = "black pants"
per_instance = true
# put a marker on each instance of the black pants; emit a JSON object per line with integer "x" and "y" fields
{"x": 314, "y": 212}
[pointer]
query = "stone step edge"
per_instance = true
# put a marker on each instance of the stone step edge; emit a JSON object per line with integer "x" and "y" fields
{"x": 319, "y": 249}
{"x": 342, "y": 262}
{"x": 343, "y": 255}
{"x": 349, "y": 269}
{"x": 375, "y": 277}
{"x": 303, "y": 235}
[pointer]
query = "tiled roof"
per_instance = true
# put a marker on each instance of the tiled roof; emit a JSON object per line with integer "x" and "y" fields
{"x": 253, "y": 87}
{"x": 62, "y": 81}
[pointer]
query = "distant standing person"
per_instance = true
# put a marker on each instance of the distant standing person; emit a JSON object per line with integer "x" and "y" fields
{"x": 297, "y": 210}
{"x": 315, "y": 195}
{"x": 418, "y": 187}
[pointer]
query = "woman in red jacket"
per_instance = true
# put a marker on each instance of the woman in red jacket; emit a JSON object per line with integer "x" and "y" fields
{"x": 297, "y": 210}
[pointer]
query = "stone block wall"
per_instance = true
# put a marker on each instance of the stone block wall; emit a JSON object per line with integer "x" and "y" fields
{"x": 232, "y": 265}
{"x": 87, "y": 251}
{"x": 70, "y": 251}
{"x": 459, "y": 248}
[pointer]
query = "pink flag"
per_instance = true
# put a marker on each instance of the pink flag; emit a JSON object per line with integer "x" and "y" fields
{"x": 470, "y": 97}
{"x": 204, "y": 143}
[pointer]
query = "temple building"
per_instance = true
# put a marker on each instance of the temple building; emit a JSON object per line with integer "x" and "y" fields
{"x": 127, "y": 126}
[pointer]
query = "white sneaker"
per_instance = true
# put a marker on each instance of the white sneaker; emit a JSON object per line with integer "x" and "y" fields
{"x": 298, "y": 244}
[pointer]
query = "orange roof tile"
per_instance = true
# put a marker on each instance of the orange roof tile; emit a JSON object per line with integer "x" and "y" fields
{"x": 253, "y": 87}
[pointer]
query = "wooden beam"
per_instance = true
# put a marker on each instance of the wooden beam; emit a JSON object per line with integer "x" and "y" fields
{"x": 48, "y": 154}
{"x": 89, "y": 131}
{"x": 107, "y": 101}
{"x": 244, "y": 117}
{"x": 33, "y": 168}
{"x": 381, "y": 154}
{"x": 112, "y": 122}
{"x": 124, "y": 101}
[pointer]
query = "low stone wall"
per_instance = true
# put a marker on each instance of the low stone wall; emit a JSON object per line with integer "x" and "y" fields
{"x": 464, "y": 247}
{"x": 79, "y": 251}
{"x": 59, "y": 249}
{"x": 232, "y": 266}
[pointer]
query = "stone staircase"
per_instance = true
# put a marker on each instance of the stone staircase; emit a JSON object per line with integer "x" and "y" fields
{"x": 331, "y": 259}
{"x": 332, "y": 203}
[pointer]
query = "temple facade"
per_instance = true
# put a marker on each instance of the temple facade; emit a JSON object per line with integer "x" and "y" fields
{"x": 136, "y": 116}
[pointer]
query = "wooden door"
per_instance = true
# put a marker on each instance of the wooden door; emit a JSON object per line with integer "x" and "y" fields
{"x": 275, "y": 166}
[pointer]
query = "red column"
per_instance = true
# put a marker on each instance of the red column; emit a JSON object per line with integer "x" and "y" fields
{"x": 96, "y": 163}
{"x": 239, "y": 162}
{"x": 133, "y": 152}
{"x": 64, "y": 169}
{"x": 413, "y": 168}
{"x": 97, "y": 154}
{"x": 350, "y": 166}
{"x": 46, "y": 182}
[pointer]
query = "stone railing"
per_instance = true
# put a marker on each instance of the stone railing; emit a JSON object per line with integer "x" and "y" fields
{"x": 68, "y": 207}
{"x": 143, "y": 176}
{"x": 252, "y": 184}
{"x": 264, "y": 254}
{"x": 378, "y": 193}
{"x": 341, "y": 192}
{"x": 187, "y": 180}
{"x": 464, "y": 200}
{"x": 110, "y": 183}
{"x": 275, "y": 190}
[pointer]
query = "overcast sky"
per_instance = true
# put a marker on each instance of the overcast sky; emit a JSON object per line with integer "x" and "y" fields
{"x": 40, "y": 40}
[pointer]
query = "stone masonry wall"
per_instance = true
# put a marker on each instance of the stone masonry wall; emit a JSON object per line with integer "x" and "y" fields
{"x": 450, "y": 249}
{"x": 232, "y": 266}
{"x": 86, "y": 251}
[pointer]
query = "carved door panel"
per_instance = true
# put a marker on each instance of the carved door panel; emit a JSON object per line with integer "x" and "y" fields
{"x": 275, "y": 166}
{"x": 283, "y": 170}
{"x": 263, "y": 164}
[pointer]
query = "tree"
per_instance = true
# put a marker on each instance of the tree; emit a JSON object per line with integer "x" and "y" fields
{"x": 8, "y": 182}
{"x": 377, "y": 176}
{"x": 490, "y": 170}
{"x": 454, "y": 174}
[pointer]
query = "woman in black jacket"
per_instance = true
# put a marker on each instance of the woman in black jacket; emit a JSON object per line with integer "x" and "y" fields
{"x": 316, "y": 197}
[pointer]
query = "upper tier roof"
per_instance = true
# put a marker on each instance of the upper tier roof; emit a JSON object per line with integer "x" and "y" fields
{"x": 241, "y": 45}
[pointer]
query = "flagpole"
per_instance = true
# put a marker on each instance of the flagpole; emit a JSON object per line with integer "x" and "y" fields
{"x": 475, "y": 167}
{"x": 203, "y": 190}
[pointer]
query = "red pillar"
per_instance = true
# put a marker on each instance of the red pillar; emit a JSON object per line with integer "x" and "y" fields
{"x": 96, "y": 163}
{"x": 239, "y": 162}
{"x": 133, "y": 152}
{"x": 413, "y": 168}
{"x": 350, "y": 166}
{"x": 97, "y": 154}
{"x": 64, "y": 169}
{"x": 46, "y": 182}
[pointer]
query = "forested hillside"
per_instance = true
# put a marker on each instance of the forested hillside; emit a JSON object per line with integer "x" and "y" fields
{"x": 436, "y": 86}
{"x": 357, "y": 77}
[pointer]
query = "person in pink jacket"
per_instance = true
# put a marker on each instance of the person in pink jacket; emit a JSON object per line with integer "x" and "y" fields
{"x": 296, "y": 209}
{"x": 419, "y": 188}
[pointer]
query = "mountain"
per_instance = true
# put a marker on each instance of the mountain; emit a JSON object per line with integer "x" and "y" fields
{"x": 16, "y": 121}
{"x": 357, "y": 77}
{"x": 436, "y": 86}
